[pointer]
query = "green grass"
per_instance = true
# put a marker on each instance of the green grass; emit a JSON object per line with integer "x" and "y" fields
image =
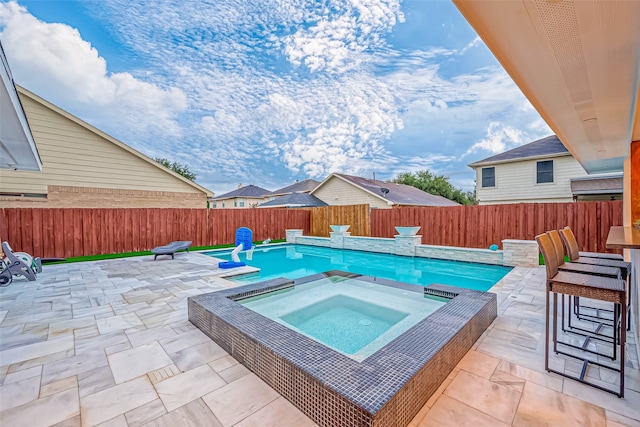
{"x": 541, "y": 259}
{"x": 141, "y": 253}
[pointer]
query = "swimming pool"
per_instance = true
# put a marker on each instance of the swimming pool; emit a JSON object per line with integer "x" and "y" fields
{"x": 295, "y": 261}
{"x": 349, "y": 315}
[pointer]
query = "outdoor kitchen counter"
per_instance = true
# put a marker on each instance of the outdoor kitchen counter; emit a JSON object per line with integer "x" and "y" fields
{"x": 623, "y": 238}
{"x": 629, "y": 238}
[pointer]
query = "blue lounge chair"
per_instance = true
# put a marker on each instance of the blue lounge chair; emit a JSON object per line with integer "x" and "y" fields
{"x": 171, "y": 248}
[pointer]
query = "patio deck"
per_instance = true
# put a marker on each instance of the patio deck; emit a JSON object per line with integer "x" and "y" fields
{"x": 108, "y": 343}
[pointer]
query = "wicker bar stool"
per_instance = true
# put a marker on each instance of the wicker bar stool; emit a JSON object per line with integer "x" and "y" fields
{"x": 575, "y": 256}
{"x": 580, "y": 285}
{"x": 570, "y": 239}
{"x": 600, "y": 321}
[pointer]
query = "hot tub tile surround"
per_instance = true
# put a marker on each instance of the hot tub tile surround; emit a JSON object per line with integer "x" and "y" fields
{"x": 386, "y": 389}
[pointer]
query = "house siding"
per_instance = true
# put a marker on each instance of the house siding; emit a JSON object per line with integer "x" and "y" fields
{"x": 516, "y": 182}
{"x": 248, "y": 202}
{"x": 91, "y": 197}
{"x": 336, "y": 192}
{"x": 75, "y": 158}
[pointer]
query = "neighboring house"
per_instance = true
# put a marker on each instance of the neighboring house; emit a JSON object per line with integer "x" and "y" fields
{"x": 541, "y": 171}
{"x": 294, "y": 200}
{"x": 249, "y": 196}
{"x": 83, "y": 167}
{"x": 339, "y": 189}
{"x": 305, "y": 186}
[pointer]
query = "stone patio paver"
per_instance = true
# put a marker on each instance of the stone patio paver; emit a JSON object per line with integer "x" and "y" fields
{"x": 109, "y": 343}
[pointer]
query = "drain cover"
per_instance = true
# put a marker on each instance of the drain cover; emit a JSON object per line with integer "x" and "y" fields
{"x": 364, "y": 322}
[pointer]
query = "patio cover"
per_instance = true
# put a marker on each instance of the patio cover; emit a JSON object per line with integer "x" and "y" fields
{"x": 17, "y": 148}
{"x": 609, "y": 184}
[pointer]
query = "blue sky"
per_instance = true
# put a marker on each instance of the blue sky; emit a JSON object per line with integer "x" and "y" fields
{"x": 267, "y": 92}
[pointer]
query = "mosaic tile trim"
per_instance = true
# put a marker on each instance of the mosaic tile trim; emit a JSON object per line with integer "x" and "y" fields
{"x": 386, "y": 389}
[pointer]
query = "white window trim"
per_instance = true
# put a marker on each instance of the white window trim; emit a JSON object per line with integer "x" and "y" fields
{"x": 495, "y": 177}
{"x": 535, "y": 173}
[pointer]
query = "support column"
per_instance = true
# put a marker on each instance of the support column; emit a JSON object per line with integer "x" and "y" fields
{"x": 292, "y": 234}
{"x": 337, "y": 239}
{"x": 406, "y": 245}
{"x": 520, "y": 253}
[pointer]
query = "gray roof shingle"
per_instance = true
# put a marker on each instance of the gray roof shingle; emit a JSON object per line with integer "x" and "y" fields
{"x": 607, "y": 184}
{"x": 542, "y": 147}
{"x": 246, "y": 191}
{"x": 399, "y": 194}
{"x": 302, "y": 187}
{"x": 294, "y": 200}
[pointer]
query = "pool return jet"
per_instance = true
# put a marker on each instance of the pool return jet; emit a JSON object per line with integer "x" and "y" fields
{"x": 244, "y": 243}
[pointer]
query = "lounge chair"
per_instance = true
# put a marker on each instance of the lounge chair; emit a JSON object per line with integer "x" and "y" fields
{"x": 171, "y": 248}
{"x": 18, "y": 264}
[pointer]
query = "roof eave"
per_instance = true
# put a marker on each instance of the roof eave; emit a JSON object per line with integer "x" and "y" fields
{"x": 19, "y": 152}
{"x": 519, "y": 159}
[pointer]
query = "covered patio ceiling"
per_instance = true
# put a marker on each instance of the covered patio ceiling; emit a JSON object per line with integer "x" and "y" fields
{"x": 17, "y": 148}
{"x": 578, "y": 64}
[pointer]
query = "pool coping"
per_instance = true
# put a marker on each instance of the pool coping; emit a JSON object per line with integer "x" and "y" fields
{"x": 386, "y": 389}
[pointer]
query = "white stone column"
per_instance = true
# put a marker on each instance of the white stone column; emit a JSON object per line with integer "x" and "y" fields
{"x": 292, "y": 234}
{"x": 406, "y": 245}
{"x": 520, "y": 253}
{"x": 337, "y": 239}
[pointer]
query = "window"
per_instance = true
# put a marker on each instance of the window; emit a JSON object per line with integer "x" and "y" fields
{"x": 544, "y": 171}
{"x": 223, "y": 203}
{"x": 488, "y": 177}
{"x": 241, "y": 202}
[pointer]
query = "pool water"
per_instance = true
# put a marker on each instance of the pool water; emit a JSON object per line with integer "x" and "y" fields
{"x": 295, "y": 261}
{"x": 351, "y": 316}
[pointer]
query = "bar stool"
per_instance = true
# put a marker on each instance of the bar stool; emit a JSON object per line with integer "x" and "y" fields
{"x": 570, "y": 239}
{"x": 597, "y": 258}
{"x": 580, "y": 285}
{"x": 595, "y": 270}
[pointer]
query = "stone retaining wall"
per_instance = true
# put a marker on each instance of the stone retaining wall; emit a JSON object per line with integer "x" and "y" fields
{"x": 484, "y": 256}
{"x": 520, "y": 253}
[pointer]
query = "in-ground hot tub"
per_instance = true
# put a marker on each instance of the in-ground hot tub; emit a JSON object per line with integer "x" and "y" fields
{"x": 385, "y": 384}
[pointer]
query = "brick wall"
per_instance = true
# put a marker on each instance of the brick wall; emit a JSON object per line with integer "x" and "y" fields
{"x": 88, "y": 197}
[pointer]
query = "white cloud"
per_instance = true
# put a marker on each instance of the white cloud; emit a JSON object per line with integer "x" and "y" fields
{"x": 335, "y": 40}
{"x": 55, "y": 62}
{"x": 498, "y": 139}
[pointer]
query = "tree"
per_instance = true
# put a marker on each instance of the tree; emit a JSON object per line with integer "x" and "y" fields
{"x": 436, "y": 184}
{"x": 178, "y": 168}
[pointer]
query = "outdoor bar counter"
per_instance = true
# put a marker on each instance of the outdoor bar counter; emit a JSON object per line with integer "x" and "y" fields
{"x": 629, "y": 238}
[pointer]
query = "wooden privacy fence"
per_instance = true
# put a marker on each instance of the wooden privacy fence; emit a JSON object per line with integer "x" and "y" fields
{"x": 481, "y": 226}
{"x": 63, "y": 233}
{"x": 357, "y": 216}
